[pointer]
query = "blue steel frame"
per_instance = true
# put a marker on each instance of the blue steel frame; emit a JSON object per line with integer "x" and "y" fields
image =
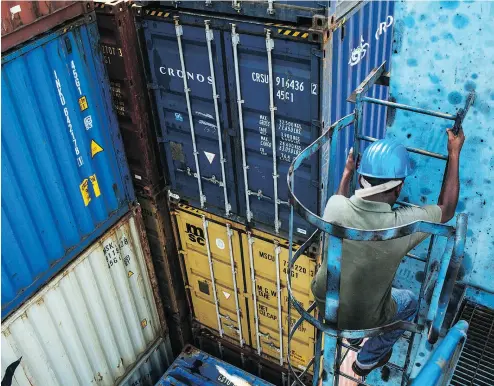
{"x": 450, "y": 261}
{"x": 437, "y": 370}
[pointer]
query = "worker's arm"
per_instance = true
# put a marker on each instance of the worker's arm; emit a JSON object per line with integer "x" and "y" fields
{"x": 346, "y": 178}
{"x": 450, "y": 190}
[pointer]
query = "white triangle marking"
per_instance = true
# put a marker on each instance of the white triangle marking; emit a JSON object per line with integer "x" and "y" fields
{"x": 227, "y": 295}
{"x": 210, "y": 156}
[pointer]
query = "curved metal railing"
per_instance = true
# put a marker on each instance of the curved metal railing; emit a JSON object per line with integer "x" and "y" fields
{"x": 449, "y": 266}
{"x": 438, "y": 368}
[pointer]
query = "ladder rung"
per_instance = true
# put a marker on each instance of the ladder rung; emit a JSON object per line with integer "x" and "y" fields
{"x": 409, "y": 108}
{"x": 410, "y": 149}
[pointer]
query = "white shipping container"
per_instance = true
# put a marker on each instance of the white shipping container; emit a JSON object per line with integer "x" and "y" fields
{"x": 96, "y": 322}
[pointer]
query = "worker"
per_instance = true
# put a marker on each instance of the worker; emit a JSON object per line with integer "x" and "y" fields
{"x": 367, "y": 299}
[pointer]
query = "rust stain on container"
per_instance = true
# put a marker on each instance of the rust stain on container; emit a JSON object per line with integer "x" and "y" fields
{"x": 24, "y": 20}
{"x": 120, "y": 49}
{"x": 164, "y": 257}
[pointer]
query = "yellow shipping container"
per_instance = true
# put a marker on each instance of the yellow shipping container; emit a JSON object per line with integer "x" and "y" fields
{"x": 210, "y": 247}
{"x": 267, "y": 268}
{"x": 237, "y": 280}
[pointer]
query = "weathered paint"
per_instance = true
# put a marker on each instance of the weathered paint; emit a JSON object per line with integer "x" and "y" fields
{"x": 65, "y": 179}
{"x": 439, "y": 367}
{"x": 94, "y": 321}
{"x": 241, "y": 358}
{"x": 291, "y": 11}
{"x": 159, "y": 232}
{"x": 442, "y": 288}
{"x": 455, "y": 57}
{"x": 23, "y": 20}
{"x": 121, "y": 55}
{"x": 195, "y": 367}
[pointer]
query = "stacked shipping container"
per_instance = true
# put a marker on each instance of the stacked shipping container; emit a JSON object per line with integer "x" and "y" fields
{"x": 120, "y": 48}
{"x": 237, "y": 98}
{"x": 68, "y": 199}
{"x": 256, "y": 93}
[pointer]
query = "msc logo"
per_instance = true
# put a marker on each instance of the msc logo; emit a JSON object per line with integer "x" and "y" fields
{"x": 196, "y": 235}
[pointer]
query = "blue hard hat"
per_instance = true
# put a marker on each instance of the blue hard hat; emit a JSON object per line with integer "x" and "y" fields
{"x": 386, "y": 159}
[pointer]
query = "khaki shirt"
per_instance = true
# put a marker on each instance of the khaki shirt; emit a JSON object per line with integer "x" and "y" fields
{"x": 369, "y": 267}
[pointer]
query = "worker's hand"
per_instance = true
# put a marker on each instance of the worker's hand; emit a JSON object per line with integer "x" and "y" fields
{"x": 455, "y": 142}
{"x": 350, "y": 162}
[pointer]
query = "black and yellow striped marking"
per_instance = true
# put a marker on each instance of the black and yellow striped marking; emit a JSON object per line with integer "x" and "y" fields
{"x": 287, "y": 31}
{"x": 157, "y": 13}
{"x": 293, "y": 33}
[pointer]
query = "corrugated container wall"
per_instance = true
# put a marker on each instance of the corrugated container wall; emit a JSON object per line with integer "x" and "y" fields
{"x": 130, "y": 97}
{"x": 23, "y": 20}
{"x": 301, "y": 12}
{"x": 96, "y": 321}
{"x": 194, "y": 367}
{"x": 219, "y": 150}
{"x": 120, "y": 48}
{"x": 65, "y": 179}
{"x": 360, "y": 43}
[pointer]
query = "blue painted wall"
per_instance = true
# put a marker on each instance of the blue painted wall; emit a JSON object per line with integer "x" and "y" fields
{"x": 60, "y": 138}
{"x": 442, "y": 50}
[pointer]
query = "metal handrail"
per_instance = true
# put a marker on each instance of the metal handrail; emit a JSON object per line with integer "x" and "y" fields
{"x": 444, "y": 354}
{"x": 451, "y": 259}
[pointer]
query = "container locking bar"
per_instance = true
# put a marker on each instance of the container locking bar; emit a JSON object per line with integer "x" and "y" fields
{"x": 272, "y": 109}
{"x": 277, "y": 250}
{"x": 240, "y": 102}
{"x": 209, "y": 38}
{"x": 211, "y": 272}
{"x": 250, "y": 240}
{"x": 179, "y": 32}
{"x": 229, "y": 234}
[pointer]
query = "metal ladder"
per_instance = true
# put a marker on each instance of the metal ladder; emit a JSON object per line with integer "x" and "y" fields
{"x": 450, "y": 261}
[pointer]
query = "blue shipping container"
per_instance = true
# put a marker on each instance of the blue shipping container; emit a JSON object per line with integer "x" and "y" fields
{"x": 195, "y": 367}
{"x": 65, "y": 179}
{"x": 305, "y": 67}
{"x": 293, "y": 11}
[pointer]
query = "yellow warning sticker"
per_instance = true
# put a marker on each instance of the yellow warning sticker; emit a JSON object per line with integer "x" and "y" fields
{"x": 130, "y": 273}
{"x": 94, "y": 182}
{"x": 83, "y": 103}
{"x": 144, "y": 323}
{"x": 84, "y": 187}
{"x": 95, "y": 148}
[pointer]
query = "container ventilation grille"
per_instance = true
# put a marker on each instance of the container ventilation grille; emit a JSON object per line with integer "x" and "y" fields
{"x": 476, "y": 364}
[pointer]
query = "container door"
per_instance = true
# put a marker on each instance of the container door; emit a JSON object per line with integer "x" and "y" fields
{"x": 212, "y": 260}
{"x": 194, "y": 122}
{"x": 268, "y": 300}
{"x": 278, "y": 82}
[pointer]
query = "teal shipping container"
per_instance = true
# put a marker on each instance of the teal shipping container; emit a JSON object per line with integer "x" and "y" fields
{"x": 65, "y": 179}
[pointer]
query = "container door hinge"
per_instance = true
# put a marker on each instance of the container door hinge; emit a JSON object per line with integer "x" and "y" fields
{"x": 232, "y": 132}
{"x": 153, "y": 86}
{"x": 316, "y": 184}
{"x": 316, "y": 123}
{"x": 317, "y": 53}
{"x": 140, "y": 24}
